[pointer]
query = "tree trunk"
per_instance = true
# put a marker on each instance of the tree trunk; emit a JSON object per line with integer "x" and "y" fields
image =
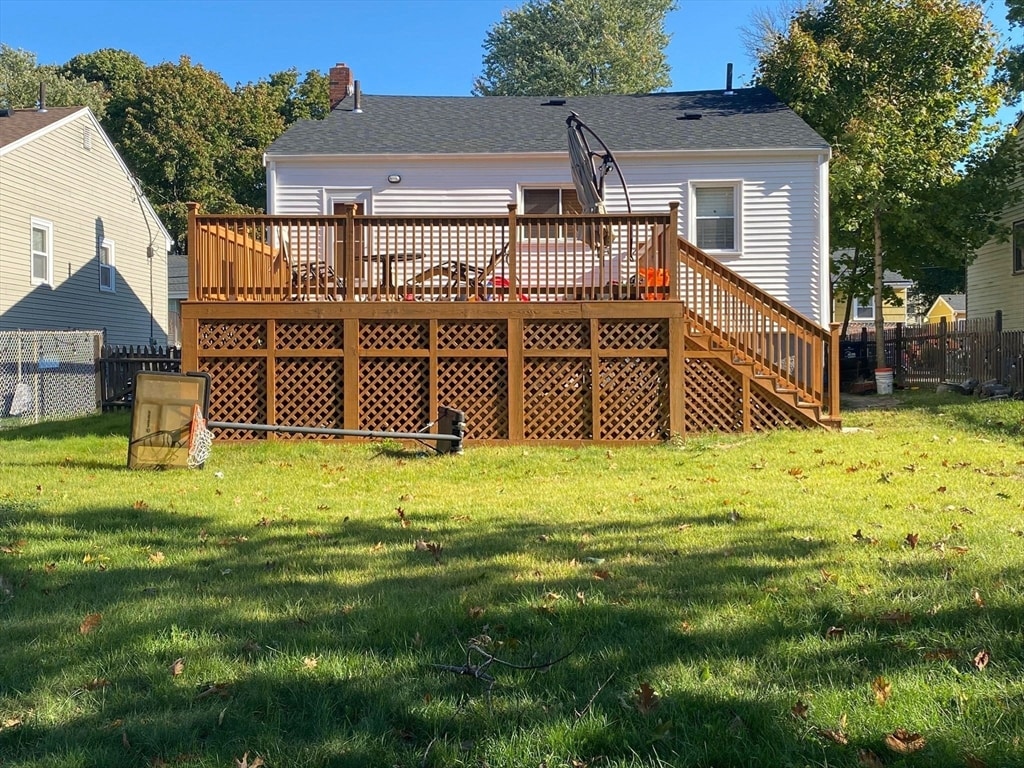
{"x": 879, "y": 318}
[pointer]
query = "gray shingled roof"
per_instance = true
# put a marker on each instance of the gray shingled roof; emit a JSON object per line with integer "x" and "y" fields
{"x": 750, "y": 118}
{"x": 957, "y": 301}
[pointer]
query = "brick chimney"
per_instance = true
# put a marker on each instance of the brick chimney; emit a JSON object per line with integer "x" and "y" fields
{"x": 340, "y": 79}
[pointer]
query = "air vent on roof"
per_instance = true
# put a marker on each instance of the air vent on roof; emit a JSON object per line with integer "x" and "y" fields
{"x": 554, "y": 103}
{"x": 690, "y": 116}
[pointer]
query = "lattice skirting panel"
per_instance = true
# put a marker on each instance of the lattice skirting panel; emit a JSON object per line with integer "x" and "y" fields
{"x": 521, "y": 377}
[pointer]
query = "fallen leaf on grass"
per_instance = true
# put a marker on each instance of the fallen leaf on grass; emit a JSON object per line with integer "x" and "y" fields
{"x": 257, "y": 762}
{"x": 221, "y": 690}
{"x": 799, "y": 709}
{"x": 11, "y": 723}
{"x": 96, "y": 683}
{"x": 895, "y": 617}
{"x": 177, "y": 667}
{"x": 90, "y": 622}
{"x": 911, "y": 540}
{"x": 310, "y": 662}
{"x": 981, "y": 659}
{"x": 602, "y": 575}
{"x": 978, "y": 600}
{"x": 157, "y": 557}
{"x": 833, "y": 734}
{"x": 904, "y": 742}
{"x": 834, "y": 633}
{"x": 401, "y": 517}
{"x": 646, "y": 699}
{"x": 868, "y": 759}
{"x": 429, "y": 546}
{"x": 882, "y": 688}
{"x": 476, "y": 611}
{"x": 941, "y": 654}
{"x": 140, "y": 505}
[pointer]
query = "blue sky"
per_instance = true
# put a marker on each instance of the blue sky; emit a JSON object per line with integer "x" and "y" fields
{"x": 408, "y": 47}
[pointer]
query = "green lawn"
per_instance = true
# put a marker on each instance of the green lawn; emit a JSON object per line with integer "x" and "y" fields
{"x": 784, "y": 599}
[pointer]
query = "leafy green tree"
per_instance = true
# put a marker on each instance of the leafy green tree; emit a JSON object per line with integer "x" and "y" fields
{"x": 1012, "y": 70}
{"x": 575, "y": 47}
{"x": 309, "y": 99}
{"x": 119, "y": 74}
{"x": 21, "y": 75}
{"x": 900, "y": 89}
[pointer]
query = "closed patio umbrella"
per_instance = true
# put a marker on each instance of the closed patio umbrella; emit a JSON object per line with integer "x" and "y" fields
{"x": 589, "y": 168}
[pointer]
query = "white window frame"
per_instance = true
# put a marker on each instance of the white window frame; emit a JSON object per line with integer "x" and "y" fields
{"x": 737, "y": 213}
{"x": 107, "y": 268}
{"x": 1017, "y": 248}
{"x": 47, "y": 227}
{"x": 858, "y": 307}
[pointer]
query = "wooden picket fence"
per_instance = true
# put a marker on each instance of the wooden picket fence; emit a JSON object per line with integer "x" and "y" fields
{"x": 118, "y": 365}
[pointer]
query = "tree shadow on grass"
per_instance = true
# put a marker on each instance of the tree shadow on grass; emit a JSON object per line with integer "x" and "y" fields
{"x": 265, "y": 600}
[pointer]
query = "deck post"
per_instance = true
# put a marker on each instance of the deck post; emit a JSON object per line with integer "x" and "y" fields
{"x": 673, "y": 264}
{"x": 833, "y": 369}
{"x": 193, "y": 251}
{"x": 513, "y": 282}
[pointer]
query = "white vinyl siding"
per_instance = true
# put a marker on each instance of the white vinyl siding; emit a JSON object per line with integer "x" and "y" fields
{"x": 106, "y": 264}
{"x": 42, "y": 252}
{"x": 88, "y": 198}
{"x": 993, "y": 281}
{"x": 780, "y": 206}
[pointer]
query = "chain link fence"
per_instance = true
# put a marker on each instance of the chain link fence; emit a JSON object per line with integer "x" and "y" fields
{"x": 47, "y": 375}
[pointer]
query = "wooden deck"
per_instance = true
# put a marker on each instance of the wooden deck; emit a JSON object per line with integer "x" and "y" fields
{"x": 547, "y": 329}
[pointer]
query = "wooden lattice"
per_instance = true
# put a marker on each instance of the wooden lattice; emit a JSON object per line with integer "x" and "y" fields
{"x": 634, "y": 399}
{"x": 309, "y": 335}
{"x": 714, "y": 397}
{"x": 479, "y": 388}
{"x": 393, "y": 394}
{"x": 238, "y": 388}
{"x": 233, "y": 335}
{"x": 557, "y": 399}
{"x": 310, "y": 393}
{"x": 469, "y": 335}
{"x": 396, "y": 335}
{"x": 556, "y": 335}
{"x": 635, "y": 334}
{"x": 767, "y": 414}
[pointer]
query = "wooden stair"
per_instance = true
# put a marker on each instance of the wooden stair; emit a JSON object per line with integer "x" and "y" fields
{"x": 779, "y": 356}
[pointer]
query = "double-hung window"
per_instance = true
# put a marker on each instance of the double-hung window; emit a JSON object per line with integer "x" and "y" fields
{"x": 863, "y": 310}
{"x": 716, "y": 221}
{"x": 106, "y": 259}
{"x": 42, "y": 252}
{"x": 552, "y": 202}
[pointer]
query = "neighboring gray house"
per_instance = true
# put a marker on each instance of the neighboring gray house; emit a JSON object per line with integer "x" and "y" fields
{"x": 750, "y": 176}
{"x": 995, "y": 279}
{"x": 80, "y": 246}
{"x": 177, "y": 292}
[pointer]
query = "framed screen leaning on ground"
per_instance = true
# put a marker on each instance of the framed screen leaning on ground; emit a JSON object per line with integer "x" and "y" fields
{"x": 163, "y": 414}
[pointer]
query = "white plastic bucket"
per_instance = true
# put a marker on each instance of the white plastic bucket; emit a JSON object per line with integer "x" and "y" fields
{"x": 883, "y": 381}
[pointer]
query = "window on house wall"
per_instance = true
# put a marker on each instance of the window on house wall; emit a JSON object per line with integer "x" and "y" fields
{"x": 1018, "y": 247}
{"x": 42, "y": 252}
{"x": 863, "y": 309}
{"x": 107, "y": 273}
{"x": 551, "y": 202}
{"x": 715, "y": 220}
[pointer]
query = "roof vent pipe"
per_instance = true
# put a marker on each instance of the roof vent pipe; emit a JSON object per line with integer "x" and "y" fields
{"x": 42, "y": 98}
{"x": 357, "y": 102}
{"x": 728, "y": 80}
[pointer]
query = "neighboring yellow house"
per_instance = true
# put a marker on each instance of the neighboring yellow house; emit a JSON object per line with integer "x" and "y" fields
{"x": 863, "y": 311}
{"x": 995, "y": 279}
{"x": 950, "y": 307}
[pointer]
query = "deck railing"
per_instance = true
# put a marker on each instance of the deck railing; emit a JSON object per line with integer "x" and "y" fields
{"x": 517, "y": 257}
{"x": 773, "y": 336}
{"x": 381, "y": 258}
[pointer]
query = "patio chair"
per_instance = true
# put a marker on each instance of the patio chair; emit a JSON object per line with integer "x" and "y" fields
{"x": 458, "y": 280}
{"x": 311, "y": 278}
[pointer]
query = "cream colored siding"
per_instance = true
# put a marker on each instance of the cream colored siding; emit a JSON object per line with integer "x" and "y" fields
{"x": 780, "y": 204}
{"x": 87, "y": 196}
{"x": 991, "y": 283}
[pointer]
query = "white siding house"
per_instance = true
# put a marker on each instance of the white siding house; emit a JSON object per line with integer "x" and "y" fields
{"x": 80, "y": 246}
{"x": 750, "y": 176}
{"x": 995, "y": 279}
